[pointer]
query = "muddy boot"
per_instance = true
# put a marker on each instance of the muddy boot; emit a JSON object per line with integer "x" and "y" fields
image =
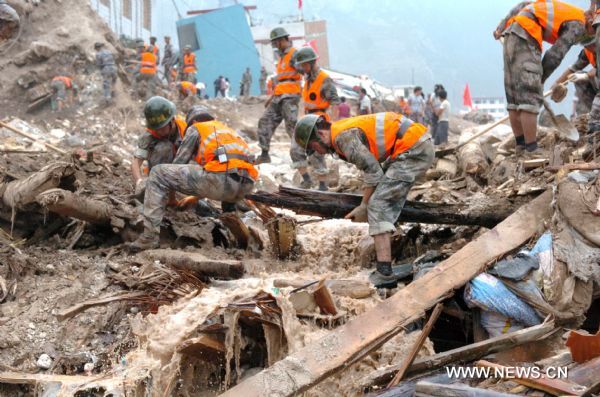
{"x": 306, "y": 181}
{"x": 323, "y": 186}
{"x": 146, "y": 241}
{"x": 263, "y": 158}
{"x": 383, "y": 277}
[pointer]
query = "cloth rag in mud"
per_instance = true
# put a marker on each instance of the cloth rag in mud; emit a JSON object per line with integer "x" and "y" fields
{"x": 490, "y": 294}
{"x": 516, "y": 268}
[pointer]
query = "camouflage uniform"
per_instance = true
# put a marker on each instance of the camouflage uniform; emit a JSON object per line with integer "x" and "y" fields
{"x": 168, "y": 61}
{"x": 525, "y": 71}
{"x": 9, "y": 21}
{"x": 106, "y": 62}
{"x": 190, "y": 179}
{"x": 59, "y": 92}
{"x": 282, "y": 108}
{"x": 246, "y": 83}
{"x": 584, "y": 91}
{"x": 329, "y": 93}
{"x": 594, "y": 123}
{"x": 263, "y": 82}
{"x": 157, "y": 151}
{"x": 393, "y": 179}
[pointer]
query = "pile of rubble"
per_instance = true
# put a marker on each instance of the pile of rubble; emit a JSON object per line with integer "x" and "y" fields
{"x": 497, "y": 258}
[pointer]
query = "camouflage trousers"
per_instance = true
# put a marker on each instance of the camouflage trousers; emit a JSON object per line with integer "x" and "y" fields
{"x": 522, "y": 74}
{"x": 594, "y": 122}
{"x": 387, "y": 201}
{"x": 190, "y": 179}
{"x": 585, "y": 92}
{"x": 286, "y": 110}
{"x": 109, "y": 78}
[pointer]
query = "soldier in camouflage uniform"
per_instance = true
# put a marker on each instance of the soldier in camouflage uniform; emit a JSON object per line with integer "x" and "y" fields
{"x": 246, "y": 82}
{"x": 525, "y": 71}
{"x": 594, "y": 122}
{"x": 320, "y": 97}
{"x": 392, "y": 151}
{"x": 106, "y": 63}
{"x": 283, "y": 105}
{"x": 215, "y": 165}
{"x": 159, "y": 143}
{"x": 169, "y": 59}
{"x": 262, "y": 81}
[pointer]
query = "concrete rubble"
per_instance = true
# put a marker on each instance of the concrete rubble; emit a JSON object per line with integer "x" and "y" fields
{"x": 275, "y": 300}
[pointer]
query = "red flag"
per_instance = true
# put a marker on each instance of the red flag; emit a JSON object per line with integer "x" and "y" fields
{"x": 299, "y": 4}
{"x": 467, "y": 100}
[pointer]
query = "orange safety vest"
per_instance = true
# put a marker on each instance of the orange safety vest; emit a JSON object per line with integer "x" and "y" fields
{"x": 389, "y": 134}
{"x": 179, "y": 122}
{"x": 188, "y": 88}
{"x": 148, "y": 63}
{"x": 66, "y": 80}
{"x": 189, "y": 63}
{"x": 154, "y": 49}
{"x": 313, "y": 102}
{"x": 221, "y": 149}
{"x": 542, "y": 19}
{"x": 287, "y": 77}
{"x": 591, "y": 56}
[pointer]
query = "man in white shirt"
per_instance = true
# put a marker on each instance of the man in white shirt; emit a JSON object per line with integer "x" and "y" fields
{"x": 364, "y": 103}
{"x": 440, "y": 134}
{"x": 416, "y": 102}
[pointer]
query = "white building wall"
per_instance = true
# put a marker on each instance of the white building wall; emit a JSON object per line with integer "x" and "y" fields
{"x": 120, "y": 24}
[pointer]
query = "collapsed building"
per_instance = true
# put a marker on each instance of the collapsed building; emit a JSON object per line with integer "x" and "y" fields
{"x": 497, "y": 257}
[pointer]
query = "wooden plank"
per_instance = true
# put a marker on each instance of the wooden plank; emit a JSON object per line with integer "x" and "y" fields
{"x": 585, "y": 374}
{"x": 365, "y": 333}
{"x": 455, "y": 390}
{"x": 417, "y": 346}
{"x": 78, "y": 308}
{"x": 467, "y": 353}
{"x": 33, "y": 138}
{"x": 197, "y": 263}
{"x": 556, "y": 387}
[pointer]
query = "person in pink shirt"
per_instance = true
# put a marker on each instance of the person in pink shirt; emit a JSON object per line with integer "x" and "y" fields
{"x": 343, "y": 109}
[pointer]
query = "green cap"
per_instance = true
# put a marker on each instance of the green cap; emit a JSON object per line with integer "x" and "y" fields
{"x": 305, "y": 54}
{"x": 159, "y": 112}
{"x": 305, "y": 130}
{"x": 278, "y": 33}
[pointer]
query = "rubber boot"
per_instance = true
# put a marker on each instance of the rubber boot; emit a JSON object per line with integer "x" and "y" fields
{"x": 323, "y": 186}
{"x": 383, "y": 277}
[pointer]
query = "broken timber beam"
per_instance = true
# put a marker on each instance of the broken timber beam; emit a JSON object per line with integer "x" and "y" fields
{"x": 466, "y": 353}
{"x": 21, "y": 192}
{"x": 69, "y": 204}
{"x": 80, "y": 307}
{"x": 338, "y": 205}
{"x": 454, "y": 390}
{"x": 556, "y": 387}
{"x": 198, "y": 264}
{"x": 353, "y": 341}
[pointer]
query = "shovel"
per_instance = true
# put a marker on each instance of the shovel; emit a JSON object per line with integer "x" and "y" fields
{"x": 564, "y": 126}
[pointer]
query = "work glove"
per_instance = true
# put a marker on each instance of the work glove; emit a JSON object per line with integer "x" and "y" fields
{"x": 580, "y": 77}
{"x": 559, "y": 92}
{"x": 140, "y": 186}
{"x": 187, "y": 202}
{"x": 358, "y": 214}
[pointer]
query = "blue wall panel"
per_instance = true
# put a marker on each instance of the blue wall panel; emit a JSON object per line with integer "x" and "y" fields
{"x": 227, "y": 48}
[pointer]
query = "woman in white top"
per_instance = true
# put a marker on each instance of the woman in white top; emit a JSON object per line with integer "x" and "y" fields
{"x": 440, "y": 135}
